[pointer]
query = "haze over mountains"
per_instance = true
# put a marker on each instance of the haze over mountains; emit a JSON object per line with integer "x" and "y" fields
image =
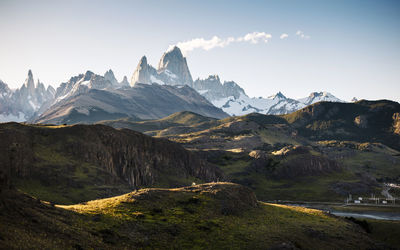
{"x": 152, "y": 93}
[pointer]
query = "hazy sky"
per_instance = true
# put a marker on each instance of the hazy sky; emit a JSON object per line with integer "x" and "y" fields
{"x": 348, "y": 48}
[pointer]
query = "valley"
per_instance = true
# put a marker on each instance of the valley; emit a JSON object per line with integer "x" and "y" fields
{"x": 130, "y": 183}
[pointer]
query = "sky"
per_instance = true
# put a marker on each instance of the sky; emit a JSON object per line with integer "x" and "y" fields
{"x": 346, "y": 47}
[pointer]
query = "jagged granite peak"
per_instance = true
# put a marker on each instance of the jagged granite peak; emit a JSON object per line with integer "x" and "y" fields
{"x": 29, "y": 82}
{"x": 81, "y": 83}
{"x": 109, "y": 75}
{"x": 124, "y": 82}
{"x": 4, "y": 89}
{"x": 88, "y": 75}
{"x": 278, "y": 95}
{"x": 174, "y": 65}
{"x": 213, "y": 89}
{"x": 51, "y": 90}
{"x": 144, "y": 73}
{"x": 24, "y": 102}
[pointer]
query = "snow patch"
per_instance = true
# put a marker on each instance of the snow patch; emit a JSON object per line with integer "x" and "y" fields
{"x": 156, "y": 80}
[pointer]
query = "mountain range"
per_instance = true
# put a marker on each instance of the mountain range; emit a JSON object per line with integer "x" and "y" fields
{"x": 229, "y": 96}
{"x": 151, "y": 94}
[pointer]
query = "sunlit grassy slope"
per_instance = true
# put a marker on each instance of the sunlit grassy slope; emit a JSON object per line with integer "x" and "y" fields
{"x": 208, "y": 216}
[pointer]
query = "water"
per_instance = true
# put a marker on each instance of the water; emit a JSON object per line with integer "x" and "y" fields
{"x": 364, "y": 215}
{"x": 360, "y": 215}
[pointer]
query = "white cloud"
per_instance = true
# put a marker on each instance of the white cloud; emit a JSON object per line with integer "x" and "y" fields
{"x": 284, "y": 36}
{"x": 301, "y": 34}
{"x": 255, "y": 37}
{"x": 217, "y": 42}
{"x": 201, "y": 43}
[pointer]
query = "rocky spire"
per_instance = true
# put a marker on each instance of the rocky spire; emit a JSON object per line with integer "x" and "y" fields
{"x": 124, "y": 81}
{"x": 175, "y": 63}
{"x": 142, "y": 73}
{"x": 109, "y": 75}
{"x": 29, "y": 82}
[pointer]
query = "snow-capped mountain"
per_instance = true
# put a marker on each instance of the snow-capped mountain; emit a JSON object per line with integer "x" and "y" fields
{"x": 23, "y": 103}
{"x": 109, "y": 75}
{"x": 229, "y": 96}
{"x": 83, "y": 83}
{"x": 172, "y": 70}
{"x": 319, "y": 97}
{"x": 33, "y": 100}
{"x": 273, "y": 105}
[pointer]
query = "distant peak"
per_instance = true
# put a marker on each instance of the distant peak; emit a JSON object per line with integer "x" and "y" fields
{"x": 174, "y": 51}
{"x": 109, "y": 72}
{"x": 278, "y": 95}
{"x": 213, "y": 78}
{"x": 29, "y": 82}
{"x": 88, "y": 75}
{"x": 316, "y": 94}
{"x": 143, "y": 60}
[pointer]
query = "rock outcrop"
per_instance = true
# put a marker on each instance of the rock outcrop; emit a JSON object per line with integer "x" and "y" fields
{"x": 127, "y": 156}
{"x": 174, "y": 66}
{"x": 109, "y": 75}
{"x": 361, "y": 121}
{"x": 212, "y": 88}
{"x": 396, "y": 123}
{"x": 143, "y": 73}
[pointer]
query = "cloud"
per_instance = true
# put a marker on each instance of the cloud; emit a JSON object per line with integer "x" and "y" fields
{"x": 284, "y": 36}
{"x": 301, "y": 34}
{"x": 255, "y": 37}
{"x": 217, "y": 42}
{"x": 201, "y": 43}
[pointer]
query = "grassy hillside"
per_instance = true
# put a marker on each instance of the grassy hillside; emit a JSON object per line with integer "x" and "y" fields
{"x": 213, "y": 216}
{"x": 363, "y": 121}
{"x": 185, "y": 119}
{"x": 70, "y": 164}
{"x": 351, "y": 148}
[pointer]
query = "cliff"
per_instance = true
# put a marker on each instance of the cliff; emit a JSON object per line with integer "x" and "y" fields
{"x": 104, "y": 160}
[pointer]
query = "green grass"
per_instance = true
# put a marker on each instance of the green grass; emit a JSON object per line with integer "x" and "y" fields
{"x": 59, "y": 178}
{"x": 377, "y": 164}
{"x": 195, "y": 221}
{"x": 386, "y": 232}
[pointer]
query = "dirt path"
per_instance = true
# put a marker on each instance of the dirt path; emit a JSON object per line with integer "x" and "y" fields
{"x": 385, "y": 192}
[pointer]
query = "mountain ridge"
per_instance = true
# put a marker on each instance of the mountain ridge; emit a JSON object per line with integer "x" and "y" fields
{"x": 228, "y": 96}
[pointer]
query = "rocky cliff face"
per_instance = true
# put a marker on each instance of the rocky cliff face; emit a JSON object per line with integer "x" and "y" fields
{"x": 128, "y": 157}
{"x": 109, "y": 75}
{"x": 172, "y": 70}
{"x": 144, "y": 73}
{"x": 212, "y": 88}
{"x": 396, "y": 123}
{"x": 297, "y": 161}
{"x": 82, "y": 83}
{"x": 173, "y": 62}
{"x": 361, "y": 121}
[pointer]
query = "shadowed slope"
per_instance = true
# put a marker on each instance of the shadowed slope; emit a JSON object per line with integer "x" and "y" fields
{"x": 212, "y": 216}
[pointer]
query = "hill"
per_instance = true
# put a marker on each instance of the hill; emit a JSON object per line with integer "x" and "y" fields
{"x": 321, "y": 153}
{"x": 213, "y": 216}
{"x": 70, "y": 164}
{"x": 144, "y": 101}
{"x": 363, "y": 121}
{"x": 183, "y": 120}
